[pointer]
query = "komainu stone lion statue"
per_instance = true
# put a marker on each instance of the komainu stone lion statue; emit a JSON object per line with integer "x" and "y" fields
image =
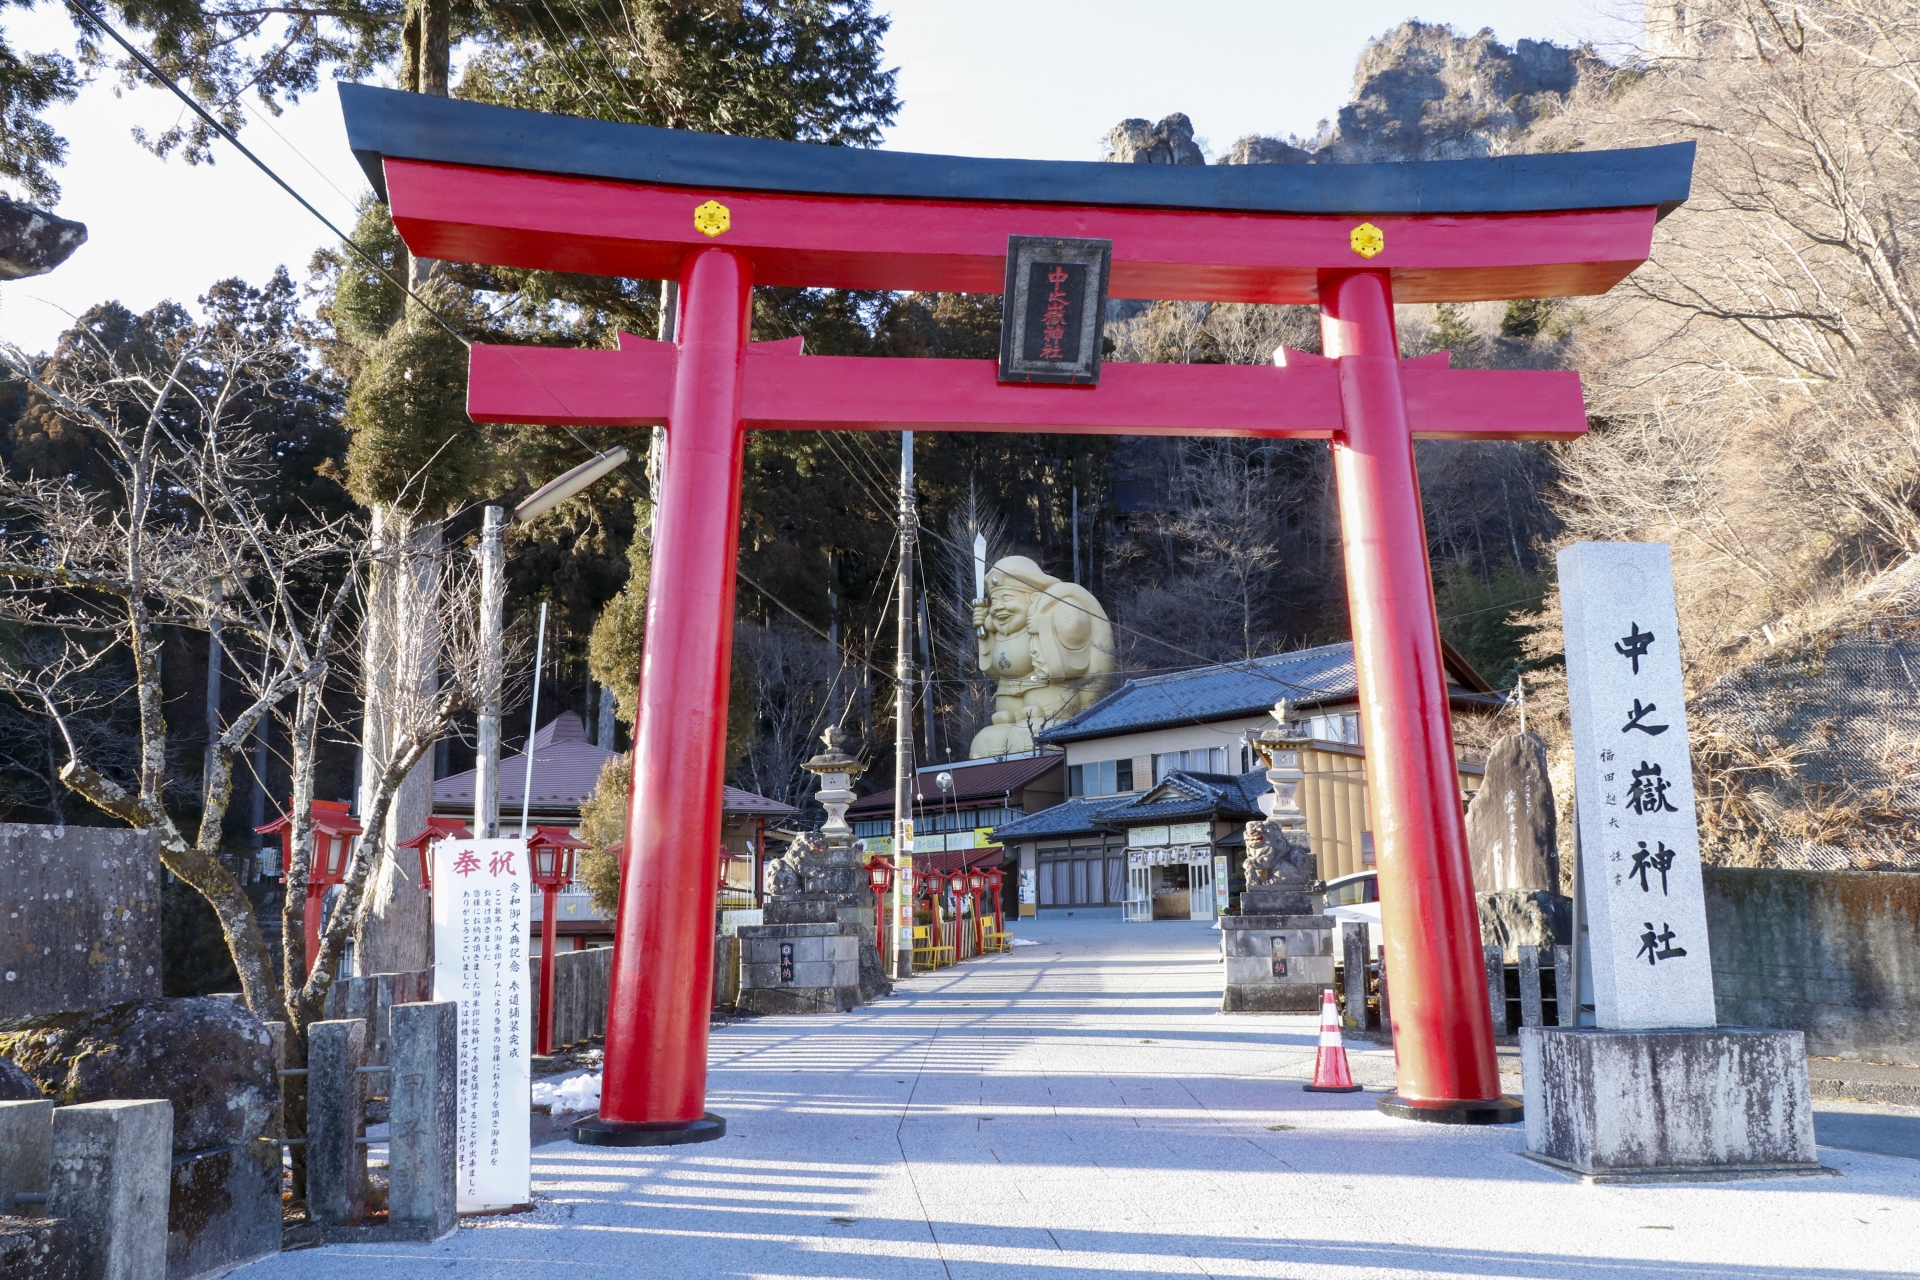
{"x": 1273, "y": 861}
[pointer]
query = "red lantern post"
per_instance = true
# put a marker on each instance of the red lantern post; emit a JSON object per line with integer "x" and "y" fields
{"x": 925, "y": 885}
{"x": 880, "y": 876}
{"x": 997, "y": 881}
{"x": 422, "y": 844}
{"x": 550, "y": 854}
{"x": 334, "y": 831}
{"x": 976, "y": 883}
{"x": 957, "y": 887}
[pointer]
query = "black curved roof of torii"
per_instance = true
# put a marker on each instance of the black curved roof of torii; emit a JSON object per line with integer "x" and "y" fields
{"x": 388, "y": 123}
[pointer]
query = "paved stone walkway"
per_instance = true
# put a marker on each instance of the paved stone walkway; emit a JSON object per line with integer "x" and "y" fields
{"x": 1079, "y": 1108}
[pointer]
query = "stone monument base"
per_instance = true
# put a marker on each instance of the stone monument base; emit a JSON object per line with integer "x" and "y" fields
{"x": 1276, "y": 963}
{"x": 800, "y": 968}
{"x": 1693, "y": 1105}
{"x": 1516, "y": 918}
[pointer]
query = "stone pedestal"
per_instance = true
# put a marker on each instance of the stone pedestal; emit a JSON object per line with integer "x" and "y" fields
{"x": 1279, "y": 955}
{"x": 110, "y": 1182}
{"x": 800, "y": 968}
{"x": 1668, "y": 1106}
{"x": 1516, "y": 919}
{"x": 424, "y": 1109}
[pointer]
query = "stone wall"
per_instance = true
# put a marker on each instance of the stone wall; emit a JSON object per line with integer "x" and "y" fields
{"x": 82, "y": 918}
{"x": 1835, "y": 954}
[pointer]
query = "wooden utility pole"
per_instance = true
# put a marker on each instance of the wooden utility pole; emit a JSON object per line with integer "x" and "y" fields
{"x": 903, "y": 725}
{"x": 402, "y": 640}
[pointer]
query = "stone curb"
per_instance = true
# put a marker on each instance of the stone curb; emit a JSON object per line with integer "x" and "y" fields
{"x": 1898, "y": 1094}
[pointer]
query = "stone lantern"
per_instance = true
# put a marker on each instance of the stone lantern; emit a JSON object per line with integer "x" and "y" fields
{"x": 836, "y": 771}
{"x": 808, "y": 954}
{"x": 1279, "y": 749}
{"x": 1278, "y": 950}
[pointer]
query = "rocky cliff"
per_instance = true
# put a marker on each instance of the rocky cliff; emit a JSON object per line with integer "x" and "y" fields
{"x": 1420, "y": 92}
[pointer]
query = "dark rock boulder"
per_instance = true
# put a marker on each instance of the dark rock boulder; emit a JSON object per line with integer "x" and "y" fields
{"x": 33, "y": 241}
{"x": 38, "y": 1249}
{"x": 16, "y": 1085}
{"x": 1524, "y": 918}
{"x": 211, "y": 1058}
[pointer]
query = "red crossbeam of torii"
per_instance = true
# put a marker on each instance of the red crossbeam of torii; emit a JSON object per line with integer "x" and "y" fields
{"x": 488, "y": 185}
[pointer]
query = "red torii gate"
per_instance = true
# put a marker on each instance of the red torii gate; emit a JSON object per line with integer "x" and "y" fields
{"x": 486, "y": 184}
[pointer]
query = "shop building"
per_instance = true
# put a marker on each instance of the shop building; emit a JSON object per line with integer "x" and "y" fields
{"x": 954, "y": 824}
{"x": 1160, "y": 783}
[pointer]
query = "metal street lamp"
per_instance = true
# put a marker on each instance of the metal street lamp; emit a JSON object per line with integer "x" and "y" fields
{"x": 550, "y": 855}
{"x": 493, "y": 605}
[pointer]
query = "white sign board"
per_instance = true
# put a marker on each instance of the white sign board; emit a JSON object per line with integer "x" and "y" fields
{"x": 1633, "y": 781}
{"x": 481, "y": 897}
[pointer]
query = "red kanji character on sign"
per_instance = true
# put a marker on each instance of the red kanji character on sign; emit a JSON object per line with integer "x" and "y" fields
{"x": 501, "y": 862}
{"x": 466, "y": 864}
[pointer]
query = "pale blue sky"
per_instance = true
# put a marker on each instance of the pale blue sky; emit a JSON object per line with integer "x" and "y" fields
{"x": 978, "y": 77}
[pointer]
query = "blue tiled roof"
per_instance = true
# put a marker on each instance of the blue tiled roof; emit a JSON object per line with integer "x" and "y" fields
{"x": 1323, "y": 674}
{"x": 1306, "y": 677}
{"x": 1073, "y": 818}
{"x": 1180, "y": 795}
{"x": 1191, "y": 795}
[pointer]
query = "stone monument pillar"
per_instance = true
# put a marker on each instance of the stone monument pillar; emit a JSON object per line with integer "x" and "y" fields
{"x": 1656, "y": 1091}
{"x": 1278, "y": 950}
{"x": 1512, "y": 834}
{"x": 815, "y": 953}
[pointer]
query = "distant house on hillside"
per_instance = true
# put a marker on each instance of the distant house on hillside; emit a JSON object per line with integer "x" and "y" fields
{"x": 566, "y": 768}
{"x": 1160, "y": 784}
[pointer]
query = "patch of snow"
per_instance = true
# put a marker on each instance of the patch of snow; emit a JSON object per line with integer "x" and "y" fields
{"x": 572, "y": 1093}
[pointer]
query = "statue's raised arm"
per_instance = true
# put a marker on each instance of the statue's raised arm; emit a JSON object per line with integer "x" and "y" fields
{"x": 1048, "y": 646}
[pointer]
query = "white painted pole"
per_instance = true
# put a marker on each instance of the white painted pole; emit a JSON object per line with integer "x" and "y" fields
{"x": 493, "y": 605}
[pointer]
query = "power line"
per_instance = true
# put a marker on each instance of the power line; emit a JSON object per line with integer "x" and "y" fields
{"x": 92, "y": 16}
{"x": 89, "y": 14}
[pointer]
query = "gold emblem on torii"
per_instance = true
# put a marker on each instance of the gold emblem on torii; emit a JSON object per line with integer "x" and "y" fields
{"x": 711, "y": 218}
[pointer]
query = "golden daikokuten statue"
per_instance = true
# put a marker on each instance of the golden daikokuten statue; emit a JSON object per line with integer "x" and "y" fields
{"x": 1048, "y": 646}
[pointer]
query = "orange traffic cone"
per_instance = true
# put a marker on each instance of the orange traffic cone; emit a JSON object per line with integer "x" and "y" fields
{"x": 1330, "y": 1074}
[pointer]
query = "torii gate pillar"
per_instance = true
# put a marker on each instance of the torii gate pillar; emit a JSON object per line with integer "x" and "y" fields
{"x": 663, "y": 962}
{"x": 1446, "y": 1066}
